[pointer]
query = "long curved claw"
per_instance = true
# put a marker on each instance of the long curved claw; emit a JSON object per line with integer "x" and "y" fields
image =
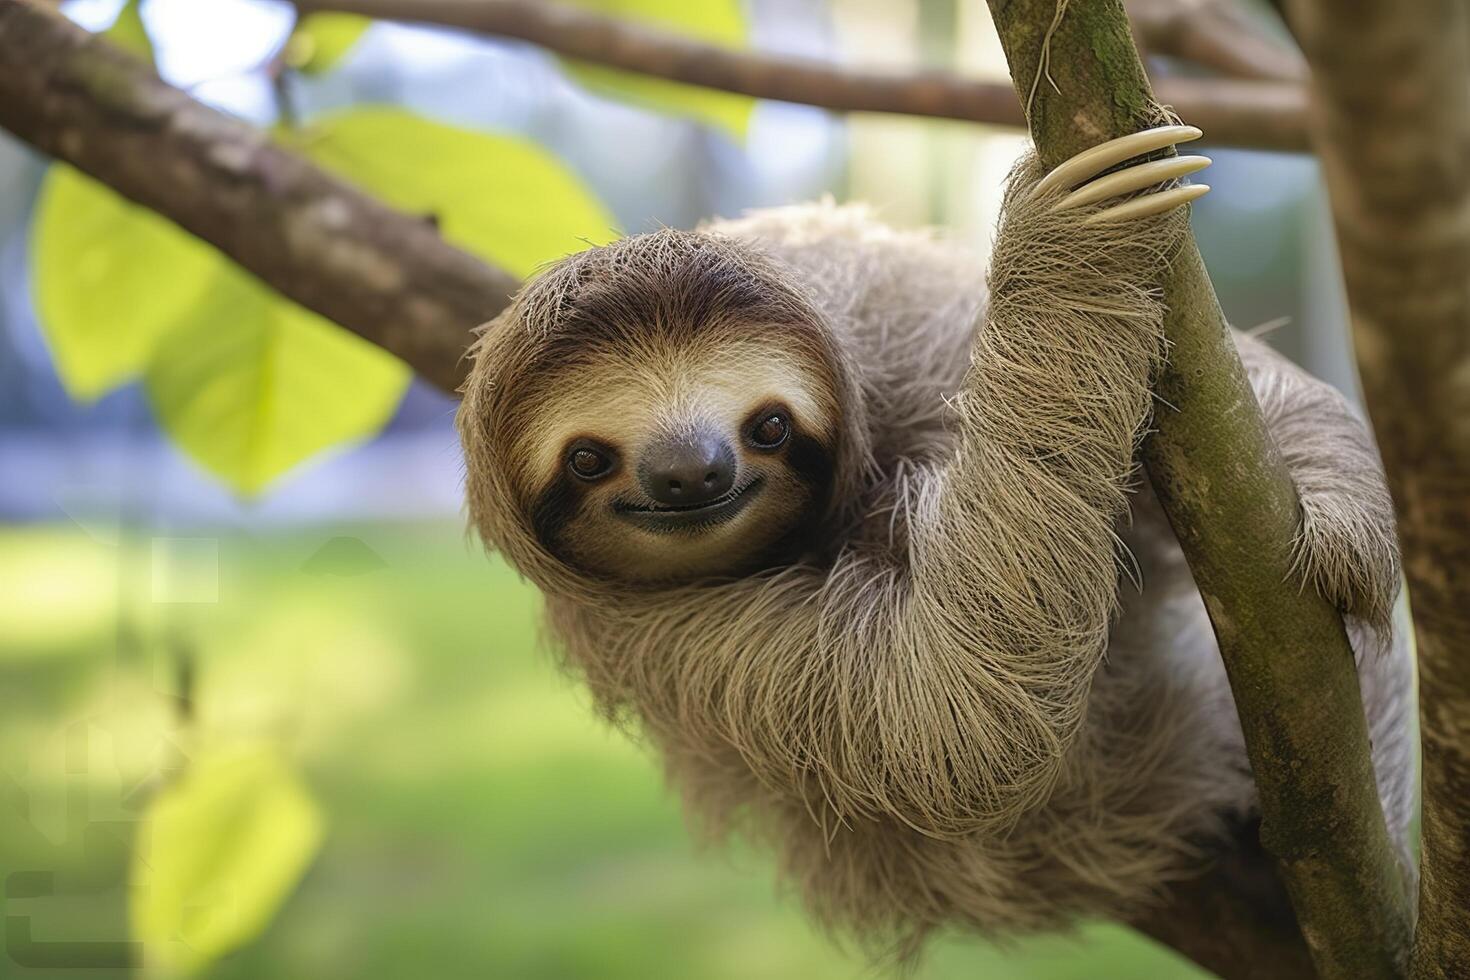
{"x": 1132, "y": 179}
{"x": 1091, "y": 162}
{"x": 1148, "y": 204}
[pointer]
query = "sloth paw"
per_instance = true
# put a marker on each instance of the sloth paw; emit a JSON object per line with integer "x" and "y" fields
{"x": 1350, "y": 557}
{"x": 1077, "y": 176}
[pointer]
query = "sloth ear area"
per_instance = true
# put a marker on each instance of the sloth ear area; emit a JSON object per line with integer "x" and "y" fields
{"x": 1078, "y": 173}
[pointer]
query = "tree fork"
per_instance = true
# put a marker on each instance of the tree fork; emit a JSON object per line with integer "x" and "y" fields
{"x": 1234, "y": 508}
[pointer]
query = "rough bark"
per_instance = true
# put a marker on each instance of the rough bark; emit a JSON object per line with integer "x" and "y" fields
{"x": 384, "y": 275}
{"x": 1392, "y": 121}
{"x": 1234, "y": 507}
{"x": 1269, "y": 115}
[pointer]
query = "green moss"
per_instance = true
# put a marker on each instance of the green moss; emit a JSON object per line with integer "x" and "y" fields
{"x": 1093, "y": 64}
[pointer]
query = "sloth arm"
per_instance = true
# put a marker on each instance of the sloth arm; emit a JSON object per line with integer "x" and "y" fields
{"x": 967, "y": 672}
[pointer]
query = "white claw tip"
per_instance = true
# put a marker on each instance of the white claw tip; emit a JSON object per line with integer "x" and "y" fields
{"x": 1151, "y": 204}
{"x": 1091, "y": 162}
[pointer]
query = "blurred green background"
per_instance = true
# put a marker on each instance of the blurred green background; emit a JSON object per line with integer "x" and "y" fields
{"x": 478, "y": 821}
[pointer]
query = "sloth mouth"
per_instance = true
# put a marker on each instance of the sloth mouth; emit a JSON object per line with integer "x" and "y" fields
{"x": 674, "y": 517}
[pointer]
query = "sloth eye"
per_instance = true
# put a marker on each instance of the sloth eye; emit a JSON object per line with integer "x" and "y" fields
{"x": 771, "y": 431}
{"x": 589, "y": 464}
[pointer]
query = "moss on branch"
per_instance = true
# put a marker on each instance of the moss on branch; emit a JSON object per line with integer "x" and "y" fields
{"x": 1233, "y": 506}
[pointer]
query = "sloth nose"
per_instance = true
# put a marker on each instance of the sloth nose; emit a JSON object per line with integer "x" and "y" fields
{"x": 688, "y": 469}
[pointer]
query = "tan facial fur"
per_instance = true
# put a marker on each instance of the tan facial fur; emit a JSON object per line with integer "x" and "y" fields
{"x": 627, "y": 401}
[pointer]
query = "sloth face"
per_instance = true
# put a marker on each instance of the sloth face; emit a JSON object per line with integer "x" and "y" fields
{"x": 704, "y": 461}
{"x": 665, "y": 408}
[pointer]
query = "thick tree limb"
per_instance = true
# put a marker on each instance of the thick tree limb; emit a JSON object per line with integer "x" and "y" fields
{"x": 1234, "y": 507}
{"x": 1392, "y": 120}
{"x": 385, "y": 276}
{"x": 1219, "y": 34}
{"x": 1258, "y": 114}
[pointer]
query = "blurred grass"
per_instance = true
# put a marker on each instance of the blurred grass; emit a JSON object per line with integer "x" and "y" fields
{"x": 481, "y": 822}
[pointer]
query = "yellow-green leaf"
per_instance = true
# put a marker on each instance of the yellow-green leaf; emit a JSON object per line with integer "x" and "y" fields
{"x": 250, "y": 384}
{"x": 218, "y": 853}
{"x": 128, "y": 32}
{"x": 320, "y": 41}
{"x": 500, "y": 197}
{"x": 719, "y": 22}
{"x": 109, "y": 278}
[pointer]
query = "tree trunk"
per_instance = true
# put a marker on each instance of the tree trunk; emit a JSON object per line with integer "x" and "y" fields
{"x": 1234, "y": 508}
{"x": 1392, "y": 123}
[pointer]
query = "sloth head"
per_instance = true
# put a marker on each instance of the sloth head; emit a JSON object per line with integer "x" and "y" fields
{"x": 659, "y": 410}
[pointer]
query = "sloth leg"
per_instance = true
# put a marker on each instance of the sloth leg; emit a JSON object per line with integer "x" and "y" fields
{"x": 1077, "y": 175}
{"x": 1347, "y": 548}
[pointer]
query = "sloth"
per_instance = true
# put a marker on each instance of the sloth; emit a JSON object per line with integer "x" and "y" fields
{"x": 860, "y": 547}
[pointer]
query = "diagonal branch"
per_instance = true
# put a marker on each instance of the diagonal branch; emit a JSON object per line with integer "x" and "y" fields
{"x": 1268, "y": 115}
{"x": 386, "y": 276}
{"x": 1392, "y": 117}
{"x": 1234, "y": 507}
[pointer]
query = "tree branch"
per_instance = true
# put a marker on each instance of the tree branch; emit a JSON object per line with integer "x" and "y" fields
{"x": 1257, "y": 114}
{"x": 1215, "y": 33}
{"x": 384, "y": 275}
{"x": 1234, "y": 508}
{"x": 1276, "y": 111}
{"x": 1392, "y": 120}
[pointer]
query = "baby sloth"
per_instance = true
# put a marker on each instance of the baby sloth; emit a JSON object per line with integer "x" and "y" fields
{"x": 843, "y": 540}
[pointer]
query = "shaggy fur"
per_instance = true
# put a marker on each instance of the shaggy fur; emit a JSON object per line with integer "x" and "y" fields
{"x": 940, "y": 713}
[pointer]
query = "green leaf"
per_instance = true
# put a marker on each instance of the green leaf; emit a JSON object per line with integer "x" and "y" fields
{"x": 109, "y": 278}
{"x": 719, "y": 22}
{"x": 128, "y": 32}
{"x": 500, "y": 197}
{"x": 219, "y": 851}
{"x": 249, "y": 384}
{"x": 320, "y": 41}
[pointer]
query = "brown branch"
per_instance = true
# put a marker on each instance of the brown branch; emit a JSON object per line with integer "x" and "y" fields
{"x": 1261, "y": 115}
{"x": 1392, "y": 119}
{"x": 1234, "y": 507}
{"x": 1218, "y": 34}
{"x": 386, "y": 276}
{"x": 1277, "y": 111}
{"x": 1236, "y": 921}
